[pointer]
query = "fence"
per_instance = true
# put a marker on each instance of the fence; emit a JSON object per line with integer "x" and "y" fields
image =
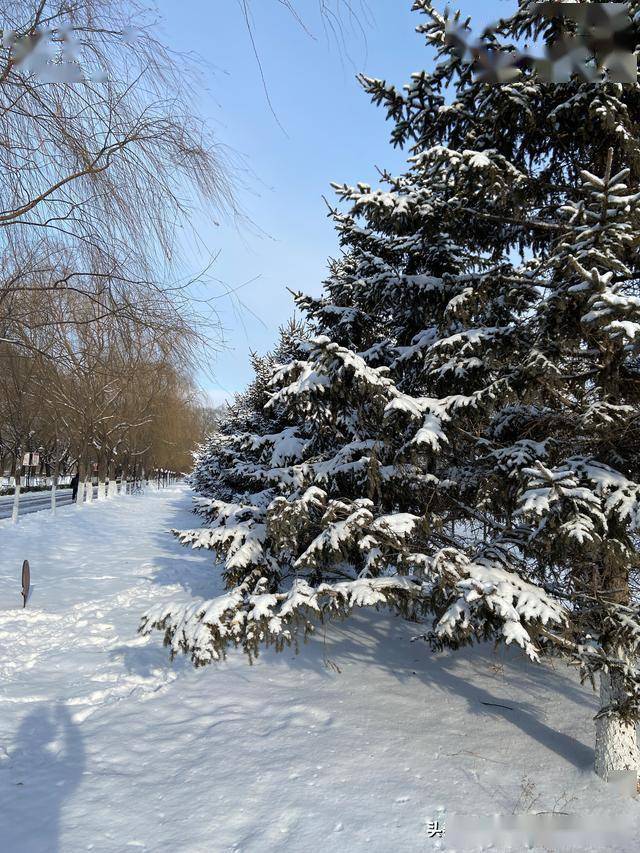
{"x": 24, "y": 503}
{"x": 32, "y": 481}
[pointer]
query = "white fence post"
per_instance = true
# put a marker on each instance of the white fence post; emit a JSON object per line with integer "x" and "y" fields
{"x": 16, "y": 501}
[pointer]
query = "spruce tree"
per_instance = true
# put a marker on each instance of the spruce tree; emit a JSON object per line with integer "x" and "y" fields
{"x": 459, "y": 441}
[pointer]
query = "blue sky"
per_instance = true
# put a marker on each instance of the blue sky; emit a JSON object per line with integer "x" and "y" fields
{"x": 331, "y": 133}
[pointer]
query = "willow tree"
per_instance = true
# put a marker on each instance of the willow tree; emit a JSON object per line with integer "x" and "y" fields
{"x": 103, "y": 160}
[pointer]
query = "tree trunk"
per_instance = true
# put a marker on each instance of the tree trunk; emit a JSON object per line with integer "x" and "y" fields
{"x": 89, "y": 482}
{"x": 81, "y": 482}
{"x": 54, "y": 483}
{"x": 102, "y": 489}
{"x": 102, "y": 477}
{"x": 617, "y": 758}
{"x": 17, "y": 469}
{"x": 108, "y": 488}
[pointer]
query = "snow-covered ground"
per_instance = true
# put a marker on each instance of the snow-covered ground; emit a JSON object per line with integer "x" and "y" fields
{"x": 355, "y": 744}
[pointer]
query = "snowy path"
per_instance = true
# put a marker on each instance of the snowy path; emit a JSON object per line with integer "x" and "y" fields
{"x": 106, "y": 746}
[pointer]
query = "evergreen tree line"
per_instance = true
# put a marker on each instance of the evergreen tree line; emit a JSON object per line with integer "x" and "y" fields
{"x": 454, "y": 430}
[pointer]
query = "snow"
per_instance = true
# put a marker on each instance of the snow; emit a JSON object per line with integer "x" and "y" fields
{"x": 358, "y": 743}
{"x": 307, "y": 381}
{"x": 399, "y": 524}
{"x": 335, "y": 534}
{"x": 286, "y": 446}
{"x": 513, "y": 599}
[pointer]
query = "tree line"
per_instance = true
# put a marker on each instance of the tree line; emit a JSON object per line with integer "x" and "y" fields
{"x": 103, "y": 164}
{"x": 119, "y": 408}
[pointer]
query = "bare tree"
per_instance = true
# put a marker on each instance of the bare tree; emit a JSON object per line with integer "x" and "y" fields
{"x": 103, "y": 164}
{"x": 100, "y": 153}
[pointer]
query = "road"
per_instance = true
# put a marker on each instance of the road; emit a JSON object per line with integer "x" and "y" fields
{"x": 36, "y": 501}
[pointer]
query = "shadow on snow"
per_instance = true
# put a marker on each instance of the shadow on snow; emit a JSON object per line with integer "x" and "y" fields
{"x": 45, "y": 766}
{"x": 382, "y": 641}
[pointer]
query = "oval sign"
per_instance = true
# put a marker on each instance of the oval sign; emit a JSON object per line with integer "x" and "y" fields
{"x": 26, "y": 581}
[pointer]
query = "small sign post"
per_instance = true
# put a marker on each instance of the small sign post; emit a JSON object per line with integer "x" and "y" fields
{"x": 26, "y": 581}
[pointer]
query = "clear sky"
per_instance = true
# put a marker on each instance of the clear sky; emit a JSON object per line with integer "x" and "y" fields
{"x": 329, "y": 132}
